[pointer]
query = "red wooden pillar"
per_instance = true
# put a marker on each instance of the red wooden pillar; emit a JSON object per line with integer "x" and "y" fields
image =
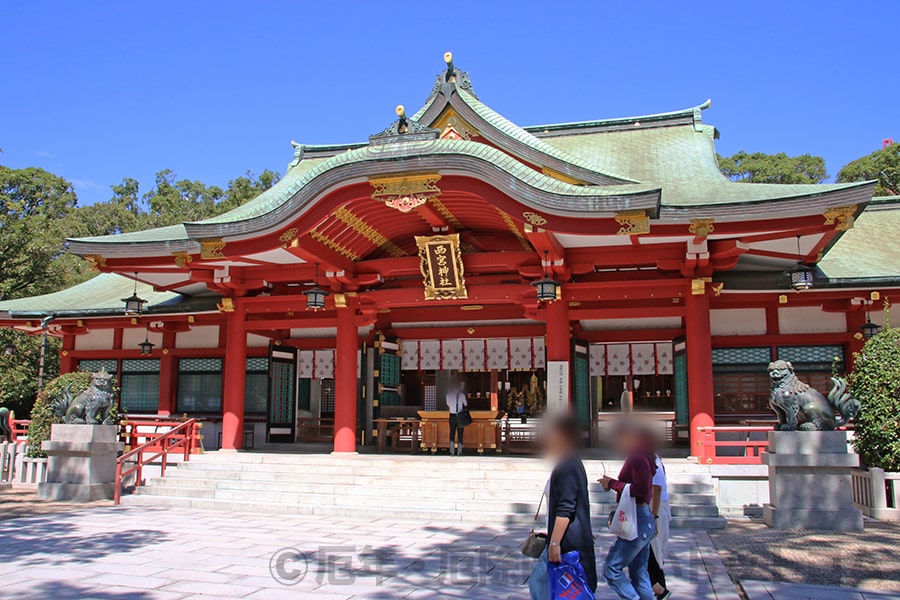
{"x": 66, "y": 360}
{"x": 699, "y": 366}
{"x": 559, "y": 342}
{"x": 345, "y": 380}
{"x": 168, "y": 375}
{"x": 855, "y": 320}
{"x": 235, "y": 377}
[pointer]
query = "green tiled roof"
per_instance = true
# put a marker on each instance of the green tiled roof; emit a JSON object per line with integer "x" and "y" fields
{"x": 872, "y": 248}
{"x": 103, "y": 295}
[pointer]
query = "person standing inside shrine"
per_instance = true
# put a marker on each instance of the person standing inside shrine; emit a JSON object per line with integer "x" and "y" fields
{"x": 634, "y": 555}
{"x": 456, "y": 402}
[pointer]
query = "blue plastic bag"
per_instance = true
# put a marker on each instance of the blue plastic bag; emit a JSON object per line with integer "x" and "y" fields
{"x": 568, "y": 580}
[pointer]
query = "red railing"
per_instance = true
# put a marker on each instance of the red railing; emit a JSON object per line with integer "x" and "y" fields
{"x": 136, "y": 432}
{"x": 739, "y": 445}
{"x": 18, "y": 428}
{"x": 182, "y": 436}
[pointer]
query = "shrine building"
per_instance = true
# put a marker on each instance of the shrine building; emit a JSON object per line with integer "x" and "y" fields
{"x": 545, "y": 265}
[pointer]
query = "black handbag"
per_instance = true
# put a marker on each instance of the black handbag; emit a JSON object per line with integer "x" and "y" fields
{"x": 464, "y": 418}
{"x": 536, "y": 542}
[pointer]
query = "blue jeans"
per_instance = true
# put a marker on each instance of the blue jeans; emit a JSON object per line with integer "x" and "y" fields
{"x": 634, "y": 555}
{"x": 539, "y": 582}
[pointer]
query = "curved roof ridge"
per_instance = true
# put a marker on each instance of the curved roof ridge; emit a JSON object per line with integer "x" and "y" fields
{"x": 686, "y": 116}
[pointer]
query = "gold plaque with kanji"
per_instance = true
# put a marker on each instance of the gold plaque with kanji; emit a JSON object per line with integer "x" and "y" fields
{"x": 442, "y": 267}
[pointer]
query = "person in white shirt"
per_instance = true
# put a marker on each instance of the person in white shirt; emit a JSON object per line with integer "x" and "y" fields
{"x": 456, "y": 402}
{"x": 663, "y": 513}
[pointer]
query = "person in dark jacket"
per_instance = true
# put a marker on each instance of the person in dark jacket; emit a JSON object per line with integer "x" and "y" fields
{"x": 568, "y": 506}
{"x": 638, "y": 470}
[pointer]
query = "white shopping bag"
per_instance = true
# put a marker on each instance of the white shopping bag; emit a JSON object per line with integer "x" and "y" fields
{"x": 624, "y": 521}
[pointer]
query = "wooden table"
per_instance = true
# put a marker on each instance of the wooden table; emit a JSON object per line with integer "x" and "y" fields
{"x": 385, "y": 426}
{"x": 485, "y": 432}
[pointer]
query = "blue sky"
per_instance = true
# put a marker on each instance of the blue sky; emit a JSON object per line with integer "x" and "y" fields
{"x": 98, "y": 91}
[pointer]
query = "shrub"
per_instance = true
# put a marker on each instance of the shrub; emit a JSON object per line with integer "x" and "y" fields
{"x": 875, "y": 382}
{"x": 42, "y": 416}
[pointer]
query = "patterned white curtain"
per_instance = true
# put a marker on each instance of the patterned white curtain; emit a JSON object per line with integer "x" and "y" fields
{"x": 598, "y": 359}
{"x": 520, "y": 354}
{"x": 305, "y": 364}
{"x": 429, "y": 355}
{"x": 618, "y": 359}
{"x": 410, "y": 355}
{"x": 324, "y": 364}
{"x": 498, "y": 354}
{"x": 473, "y": 354}
{"x": 539, "y": 356}
{"x": 664, "y": 358}
{"x": 643, "y": 359}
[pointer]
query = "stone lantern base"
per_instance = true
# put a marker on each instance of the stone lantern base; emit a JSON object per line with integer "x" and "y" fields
{"x": 82, "y": 463}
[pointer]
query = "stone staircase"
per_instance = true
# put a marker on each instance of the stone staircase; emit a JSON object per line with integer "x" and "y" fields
{"x": 429, "y": 488}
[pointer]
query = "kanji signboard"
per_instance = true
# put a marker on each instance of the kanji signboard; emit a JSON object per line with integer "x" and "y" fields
{"x": 442, "y": 267}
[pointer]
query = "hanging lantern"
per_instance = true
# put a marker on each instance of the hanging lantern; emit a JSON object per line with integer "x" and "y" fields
{"x": 801, "y": 276}
{"x": 146, "y": 346}
{"x": 315, "y": 297}
{"x": 870, "y": 329}
{"x": 546, "y": 289}
{"x": 134, "y": 305}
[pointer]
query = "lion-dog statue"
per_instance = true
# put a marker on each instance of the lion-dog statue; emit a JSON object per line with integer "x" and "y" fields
{"x": 91, "y": 406}
{"x": 799, "y": 406}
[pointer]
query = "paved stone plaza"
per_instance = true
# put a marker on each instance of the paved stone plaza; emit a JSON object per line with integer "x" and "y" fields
{"x": 140, "y": 553}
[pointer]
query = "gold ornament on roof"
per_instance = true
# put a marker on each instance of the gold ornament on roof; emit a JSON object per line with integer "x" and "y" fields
{"x": 701, "y": 228}
{"x": 633, "y": 222}
{"x": 534, "y": 218}
{"x": 405, "y": 193}
{"x": 212, "y": 249}
{"x": 288, "y": 235}
{"x": 842, "y": 217}
{"x": 96, "y": 261}
{"x": 182, "y": 259}
{"x": 226, "y": 305}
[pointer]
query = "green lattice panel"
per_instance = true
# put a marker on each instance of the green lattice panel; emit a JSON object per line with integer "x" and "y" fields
{"x": 200, "y": 365}
{"x": 812, "y": 357}
{"x": 582, "y": 390}
{"x": 96, "y": 365}
{"x": 258, "y": 364}
{"x": 282, "y": 393}
{"x": 682, "y": 405}
{"x": 140, "y": 365}
{"x": 389, "y": 398}
{"x": 741, "y": 356}
{"x": 389, "y": 374}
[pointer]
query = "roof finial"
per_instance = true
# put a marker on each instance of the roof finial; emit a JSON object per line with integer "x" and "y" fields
{"x": 402, "y": 125}
{"x": 450, "y": 76}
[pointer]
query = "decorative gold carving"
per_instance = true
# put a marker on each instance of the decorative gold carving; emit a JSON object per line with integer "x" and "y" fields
{"x": 701, "y": 228}
{"x": 633, "y": 222}
{"x": 96, "y": 261}
{"x": 65, "y": 352}
{"x": 288, "y": 235}
{"x": 355, "y": 223}
{"x": 698, "y": 286}
{"x": 560, "y": 176}
{"x": 515, "y": 230}
{"x": 454, "y": 127}
{"x": 405, "y": 192}
{"x": 471, "y": 307}
{"x": 782, "y": 299}
{"x": 717, "y": 288}
{"x": 226, "y": 305}
{"x": 340, "y": 301}
{"x": 165, "y": 351}
{"x": 211, "y": 249}
{"x": 333, "y": 245}
{"x": 875, "y": 296}
{"x": 534, "y": 218}
{"x": 440, "y": 261}
{"x": 191, "y": 318}
{"x": 182, "y": 259}
{"x": 841, "y": 217}
{"x": 470, "y": 330}
{"x": 444, "y": 211}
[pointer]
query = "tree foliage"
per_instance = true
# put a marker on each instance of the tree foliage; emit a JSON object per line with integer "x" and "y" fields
{"x": 40, "y": 210}
{"x": 875, "y": 382}
{"x": 882, "y": 165}
{"x": 758, "y": 167}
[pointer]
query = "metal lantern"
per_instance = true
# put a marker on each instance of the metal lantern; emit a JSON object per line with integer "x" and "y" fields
{"x": 134, "y": 305}
{"x": 546, "y": 289}
{"x": 315, "y": 297}
{"x": 146, "y": 346}
{"x": 801, "y": 277}
{"x": 870, "y": 329}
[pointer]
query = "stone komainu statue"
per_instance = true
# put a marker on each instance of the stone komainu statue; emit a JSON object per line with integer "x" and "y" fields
{"x": 91, "y": 406}
{"x": 799, "y": 406}
{"x": 5, "y": 425}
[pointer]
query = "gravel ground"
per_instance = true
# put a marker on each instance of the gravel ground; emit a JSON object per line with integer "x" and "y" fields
{"x": 23, "y": 502}
{"x": 868, "y": 560}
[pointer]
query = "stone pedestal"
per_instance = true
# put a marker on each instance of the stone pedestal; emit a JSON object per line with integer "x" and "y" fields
{"x": 82, "y": 463}
{"x": 810, "y": 483}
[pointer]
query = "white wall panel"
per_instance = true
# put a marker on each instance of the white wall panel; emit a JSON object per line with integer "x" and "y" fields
{"x": 96, "y": 339}
{"x": 206, "y": 336}
{"x": 738, "y": 321}
{"x": 810, "y": 319}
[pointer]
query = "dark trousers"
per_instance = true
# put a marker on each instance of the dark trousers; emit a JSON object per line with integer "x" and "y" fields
{"x": 456, "y": 431}
{"x": 657, "y": 576}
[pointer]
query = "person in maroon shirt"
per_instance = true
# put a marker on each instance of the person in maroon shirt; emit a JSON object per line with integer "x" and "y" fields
{"x": 633, "y": 554}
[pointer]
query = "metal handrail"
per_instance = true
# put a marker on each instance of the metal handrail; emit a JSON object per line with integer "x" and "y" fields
{"x": 187, "y": 432}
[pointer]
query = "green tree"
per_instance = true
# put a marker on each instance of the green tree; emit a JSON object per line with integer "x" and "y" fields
{"x": 758, "y": 167}
{"x": 882, "y": 165}
{"x": 875, "y": 382}
{"x": 35, "y": 206}
{"x": 247, "y": 187}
